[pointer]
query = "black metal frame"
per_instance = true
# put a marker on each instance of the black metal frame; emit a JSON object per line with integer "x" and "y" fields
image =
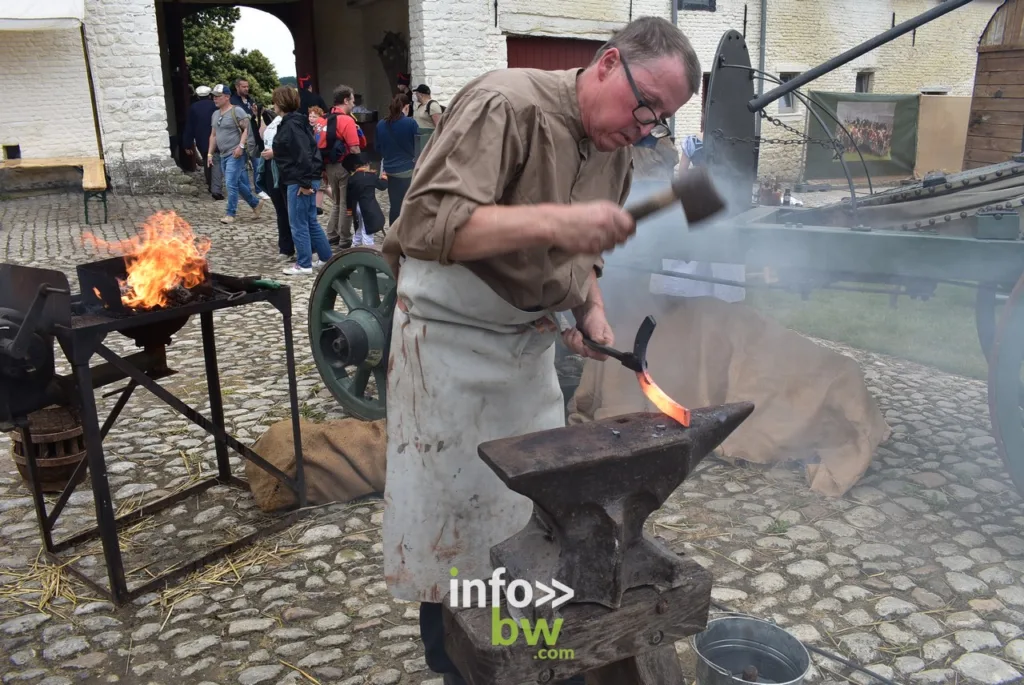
{"x": 79, "y": 343}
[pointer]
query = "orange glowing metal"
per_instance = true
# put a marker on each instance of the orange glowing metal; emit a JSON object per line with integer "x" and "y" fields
{"x": 164, "y": 256}
{"x": 664, "y": 403}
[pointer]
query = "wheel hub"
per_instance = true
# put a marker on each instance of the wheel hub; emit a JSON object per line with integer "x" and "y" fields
{"x": 357, "y": 340}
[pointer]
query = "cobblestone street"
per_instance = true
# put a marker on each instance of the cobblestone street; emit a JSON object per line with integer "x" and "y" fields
{"x": 918, "y": 572}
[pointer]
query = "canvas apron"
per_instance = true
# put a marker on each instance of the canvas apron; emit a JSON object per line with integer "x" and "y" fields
{"x": 466, "y": 367}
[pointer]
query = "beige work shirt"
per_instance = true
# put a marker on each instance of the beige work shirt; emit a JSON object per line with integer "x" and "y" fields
{"x": 510, "y": 137}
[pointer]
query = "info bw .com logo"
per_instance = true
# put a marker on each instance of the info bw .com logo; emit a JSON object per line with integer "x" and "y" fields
{"x": 519, "y": 594}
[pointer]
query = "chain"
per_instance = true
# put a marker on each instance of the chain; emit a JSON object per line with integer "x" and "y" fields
{"x": 802, "y": 139}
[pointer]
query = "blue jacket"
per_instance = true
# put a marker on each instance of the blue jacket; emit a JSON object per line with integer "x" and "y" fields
{"x": 197, "y": 125}
{"x": 396, "y": 142}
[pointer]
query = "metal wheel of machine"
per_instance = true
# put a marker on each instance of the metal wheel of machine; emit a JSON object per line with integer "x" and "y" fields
{"x": 350, "y": 310}
{"x": 1006, "y": 358}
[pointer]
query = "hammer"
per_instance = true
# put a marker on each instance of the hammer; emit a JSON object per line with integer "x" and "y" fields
{"x": 693, "y": 189}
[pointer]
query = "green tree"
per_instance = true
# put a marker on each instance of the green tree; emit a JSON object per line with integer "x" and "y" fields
{"x": 209, "y": 52}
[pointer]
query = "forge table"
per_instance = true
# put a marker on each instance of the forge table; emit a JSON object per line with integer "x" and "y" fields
{"x": 80, "y": 330}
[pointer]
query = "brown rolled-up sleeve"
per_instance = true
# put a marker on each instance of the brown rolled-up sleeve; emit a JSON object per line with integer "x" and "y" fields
{"x": 470, "y": 159}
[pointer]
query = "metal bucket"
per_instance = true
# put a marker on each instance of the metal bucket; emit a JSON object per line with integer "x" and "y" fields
{"x": 736, "y": 642}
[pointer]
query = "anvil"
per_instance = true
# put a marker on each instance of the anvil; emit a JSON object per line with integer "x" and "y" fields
{"x": 593, "y": 486}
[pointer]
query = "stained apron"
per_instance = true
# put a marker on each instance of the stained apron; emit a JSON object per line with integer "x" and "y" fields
{"x": 466, "y": 367}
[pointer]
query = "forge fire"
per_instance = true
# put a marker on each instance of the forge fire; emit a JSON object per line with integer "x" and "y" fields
{"x": 164, "y": 257}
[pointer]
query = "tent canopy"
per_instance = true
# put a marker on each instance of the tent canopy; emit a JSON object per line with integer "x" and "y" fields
{"x": 37, "y": 15}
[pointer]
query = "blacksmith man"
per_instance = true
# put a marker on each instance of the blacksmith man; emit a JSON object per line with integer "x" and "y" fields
{"x": 515, "y": 197}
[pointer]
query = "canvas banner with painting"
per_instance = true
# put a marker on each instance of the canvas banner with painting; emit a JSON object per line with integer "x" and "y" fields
{"x": 876, "y": 131}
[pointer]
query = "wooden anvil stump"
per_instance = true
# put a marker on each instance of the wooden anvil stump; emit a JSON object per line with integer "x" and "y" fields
{"x": 593, "y": 486}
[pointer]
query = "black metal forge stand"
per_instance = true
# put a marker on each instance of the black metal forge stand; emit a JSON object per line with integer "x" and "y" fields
{"x": 84, "y": 338}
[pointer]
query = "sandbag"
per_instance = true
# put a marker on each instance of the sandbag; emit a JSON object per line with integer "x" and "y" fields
{"x": 342, "y": 460}
{"x": 811, "y": 404}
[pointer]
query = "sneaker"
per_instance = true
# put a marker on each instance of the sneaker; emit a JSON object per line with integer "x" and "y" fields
{"x": 227, "y": 219}
{"x": 264, "y": 195}
{"x": 286, "y": 257}
{"x": 317, "y": 263}
{"x": 258, "y": 208}
{"x": 296, "y": 270}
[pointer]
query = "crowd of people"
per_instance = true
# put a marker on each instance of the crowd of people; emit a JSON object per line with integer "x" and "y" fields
{"x": 871, "y": 137}
{"x": 299, "y": 151}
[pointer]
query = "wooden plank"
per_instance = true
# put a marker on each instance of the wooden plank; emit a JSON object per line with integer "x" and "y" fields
{"x": 987, "y": 104}
{"x": 1000, "y": 78}
{"x": 1005, "y": 60}
{"x": 47, "y": 162}
{"x": 998, "y": 118}
{"x": 1007, "y": 131}
{"x": 93, "y": 177}
{"x": 999, "y": 91}
{"x": 985, "y": 157}
{"x": 657, "y": 667}
{"x": 999, "y": 144}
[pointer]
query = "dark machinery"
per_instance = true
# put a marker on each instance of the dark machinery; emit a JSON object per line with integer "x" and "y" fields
{"x": 962, "y": 229}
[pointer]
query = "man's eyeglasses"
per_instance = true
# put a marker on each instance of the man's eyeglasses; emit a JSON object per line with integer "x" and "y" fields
{"x": 644, "y": 113}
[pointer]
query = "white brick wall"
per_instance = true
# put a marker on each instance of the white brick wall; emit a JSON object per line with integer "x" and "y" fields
{"x": 942, "y": 53}
{"x": 45, "y": 107}
{"x": 454, "y": 41}
{"x": 125, "y": 52}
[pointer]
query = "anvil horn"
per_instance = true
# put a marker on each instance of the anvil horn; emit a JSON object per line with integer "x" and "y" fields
{"x": 593, "y": 486}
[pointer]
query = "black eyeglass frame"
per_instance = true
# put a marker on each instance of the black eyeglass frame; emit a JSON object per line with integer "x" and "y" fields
{"x": 661, "y": 128}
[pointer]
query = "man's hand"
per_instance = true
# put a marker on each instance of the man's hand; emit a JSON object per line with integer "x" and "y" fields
{"x": 595, "y": 325}
{"x": 591, "y": 227}
{"x": 305, "y": 191}
{"x": 209, "y": 159}
{"x": 267, "y": 153}
{"x": 237, "y": 152}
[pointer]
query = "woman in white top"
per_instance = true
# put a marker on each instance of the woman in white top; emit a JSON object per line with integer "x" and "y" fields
{"x": 285, "y": 245}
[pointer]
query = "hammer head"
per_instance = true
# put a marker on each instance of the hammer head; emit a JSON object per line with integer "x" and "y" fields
{"x": 697, "y": 194}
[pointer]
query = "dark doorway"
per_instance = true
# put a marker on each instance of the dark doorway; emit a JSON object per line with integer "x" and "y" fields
{"x": 535, "y": 52}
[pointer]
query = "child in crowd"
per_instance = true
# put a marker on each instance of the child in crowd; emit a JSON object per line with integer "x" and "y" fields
{"x": 318, "y": 121}
{"x": 363, "y": 183}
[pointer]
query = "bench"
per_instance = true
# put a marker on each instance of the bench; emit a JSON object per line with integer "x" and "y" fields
{"x": 94, "y": 176}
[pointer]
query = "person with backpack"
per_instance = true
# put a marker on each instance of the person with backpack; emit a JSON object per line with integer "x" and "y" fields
{"x": 427, "y": 112}
{"x": 231, "y": 137}
{"x": 339, "y": 140}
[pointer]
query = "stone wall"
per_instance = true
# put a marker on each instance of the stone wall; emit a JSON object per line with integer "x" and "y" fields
{"x": 44, "y": 76}
{"x": 125, "y": 52}
{"x": 452, "y": 42}
{"x": 455, "y": 41}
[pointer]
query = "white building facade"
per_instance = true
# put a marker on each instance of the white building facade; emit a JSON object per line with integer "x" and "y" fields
{"x": 47, "y": 111}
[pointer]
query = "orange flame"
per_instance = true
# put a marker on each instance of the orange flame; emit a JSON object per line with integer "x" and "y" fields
{"x": 664, "y": 403}
{"x": 164, "y": 256}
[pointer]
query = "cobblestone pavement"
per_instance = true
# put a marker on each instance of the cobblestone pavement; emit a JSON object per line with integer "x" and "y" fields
{"x": 917, "y": 572}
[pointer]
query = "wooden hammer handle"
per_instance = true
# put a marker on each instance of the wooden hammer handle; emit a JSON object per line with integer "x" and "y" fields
{"x": 655, "y": 203}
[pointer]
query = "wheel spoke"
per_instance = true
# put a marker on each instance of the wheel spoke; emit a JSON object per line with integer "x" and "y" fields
{"x": 347, "y": 292}
{"x": 359, "y": 379}
{"x": 331, "y": 317}
{"x": 387, "y": 303}
{"x": 371, "y": 288}
{"x": 380, "y": 377}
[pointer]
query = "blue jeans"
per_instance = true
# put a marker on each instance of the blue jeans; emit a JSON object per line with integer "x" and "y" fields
{"x": 236, "y": 178}
{"x": 307, "y": 233}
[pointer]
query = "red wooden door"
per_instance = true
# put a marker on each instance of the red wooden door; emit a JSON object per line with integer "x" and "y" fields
{"x": 536, "y": 52}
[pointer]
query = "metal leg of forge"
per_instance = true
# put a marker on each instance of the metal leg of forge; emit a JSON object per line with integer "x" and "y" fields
{"x": 593, "y": 486}
{"x": 144, "y": 369}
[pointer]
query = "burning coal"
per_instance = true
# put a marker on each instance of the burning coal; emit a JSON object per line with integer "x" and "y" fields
{"x": 165, "y": 257}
